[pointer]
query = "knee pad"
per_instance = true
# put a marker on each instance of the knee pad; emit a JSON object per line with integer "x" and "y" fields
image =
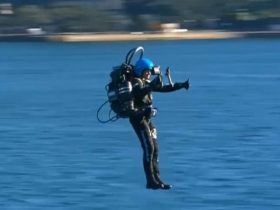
{"x": 154, "y": 133}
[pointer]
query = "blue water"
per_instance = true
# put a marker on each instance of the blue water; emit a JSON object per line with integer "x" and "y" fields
{"x": 219, "y": 141}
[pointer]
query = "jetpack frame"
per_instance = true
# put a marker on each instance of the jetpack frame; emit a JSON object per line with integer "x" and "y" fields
{"x": 121, "y": 73}
{"x": 120, "y": 88}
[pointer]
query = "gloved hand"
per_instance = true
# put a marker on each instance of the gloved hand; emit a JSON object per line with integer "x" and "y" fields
{"x": 185, "y": 84}
{"x": 150, "y": 112}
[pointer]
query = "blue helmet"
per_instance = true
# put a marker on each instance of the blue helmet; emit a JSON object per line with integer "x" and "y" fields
{"x": 142, "y": 65}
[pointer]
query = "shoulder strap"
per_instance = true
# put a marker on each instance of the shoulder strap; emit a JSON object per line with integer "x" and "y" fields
{"x": 138, "y": 82}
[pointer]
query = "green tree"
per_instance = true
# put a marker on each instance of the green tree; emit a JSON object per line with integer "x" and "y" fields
{"x": 76, "y": 18}
{"x": 32, "y": 15}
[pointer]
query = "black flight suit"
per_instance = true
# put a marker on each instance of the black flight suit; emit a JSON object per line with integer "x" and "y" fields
{"x": 145, "y": 130}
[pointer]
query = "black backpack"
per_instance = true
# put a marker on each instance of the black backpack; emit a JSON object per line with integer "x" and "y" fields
{"x": 119, "y": 89}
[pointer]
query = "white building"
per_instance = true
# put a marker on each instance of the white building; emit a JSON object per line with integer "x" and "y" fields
{"x": 6, "y": 9}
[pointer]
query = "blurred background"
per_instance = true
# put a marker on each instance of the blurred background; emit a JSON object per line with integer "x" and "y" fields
{"x": 57, "y": 16}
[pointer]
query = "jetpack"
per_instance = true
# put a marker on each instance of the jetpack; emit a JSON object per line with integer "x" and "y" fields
{"x": 119, "y": 89}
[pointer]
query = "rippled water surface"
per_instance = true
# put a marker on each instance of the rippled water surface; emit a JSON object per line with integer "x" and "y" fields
{"x": 219, "y": 141}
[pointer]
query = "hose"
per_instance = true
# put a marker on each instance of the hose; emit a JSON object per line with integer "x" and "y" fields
{"x": 111, "y": 118}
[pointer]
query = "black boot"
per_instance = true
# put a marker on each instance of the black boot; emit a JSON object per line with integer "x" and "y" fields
{"x": 152, "y": 182}
{"x": 154, "y": 186}
{"x": 164, "y": 186}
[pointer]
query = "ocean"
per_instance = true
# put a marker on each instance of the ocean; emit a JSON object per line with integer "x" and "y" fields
{"x": 219, "y": 141}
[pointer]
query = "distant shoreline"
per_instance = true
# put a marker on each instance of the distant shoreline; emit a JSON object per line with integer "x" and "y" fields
{"x": 139, "y": 36}
{"x": 84, "y": 37}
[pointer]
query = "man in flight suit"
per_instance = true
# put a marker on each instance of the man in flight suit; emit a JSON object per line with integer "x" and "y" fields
{"x": 141, "y": 119}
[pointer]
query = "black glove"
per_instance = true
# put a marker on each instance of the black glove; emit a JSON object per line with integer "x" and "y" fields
{"x": 185, "y": 84}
